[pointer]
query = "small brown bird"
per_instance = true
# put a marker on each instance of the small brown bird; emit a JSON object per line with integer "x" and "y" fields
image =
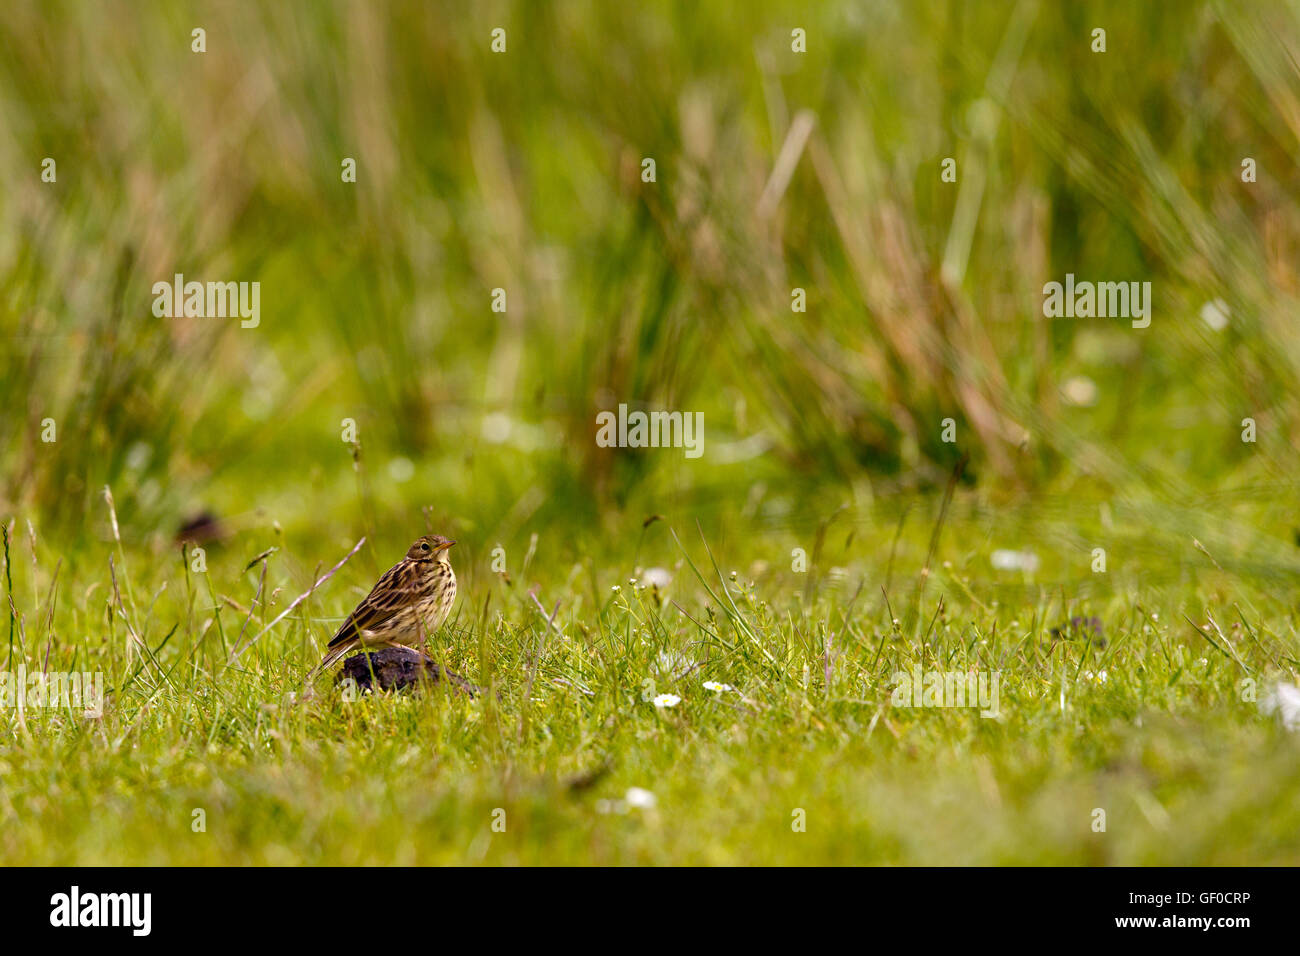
{"x": 406, "y": 606}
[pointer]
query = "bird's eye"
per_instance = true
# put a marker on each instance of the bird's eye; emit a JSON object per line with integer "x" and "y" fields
{"x": 424, "y": 547}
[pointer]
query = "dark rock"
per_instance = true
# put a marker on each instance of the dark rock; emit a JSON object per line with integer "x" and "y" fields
{"x": 1085, "y": 628}
{"x": 397, "y": 668}
{"x": 202, "y": 528}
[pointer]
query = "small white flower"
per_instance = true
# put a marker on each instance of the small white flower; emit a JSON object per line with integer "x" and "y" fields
{"x": 718, "y": 688}
{"x": 1005, "y": 560}
{"x": 1080, "y": 391}
{"x": 667, "y": 700}
{"x": 657, "y": 577}
{"x": 615, "y": 588}
{"x": 668, "y": 661}
{"x": 1215, "y": 314}
{"x": 496, "y": 427}
{"x": 639, "y": 798}
{"x": 1101, "y": 676}
{"x": 1285, "y": 700}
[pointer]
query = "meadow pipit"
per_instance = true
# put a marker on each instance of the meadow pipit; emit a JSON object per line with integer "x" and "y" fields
{"x": 409, "y": 603}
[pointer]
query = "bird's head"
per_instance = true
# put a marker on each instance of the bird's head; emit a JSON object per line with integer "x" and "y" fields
{"x": 432, "y": 547}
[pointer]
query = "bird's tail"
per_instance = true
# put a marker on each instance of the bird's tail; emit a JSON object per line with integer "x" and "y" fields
{"x": 332, "y": 656}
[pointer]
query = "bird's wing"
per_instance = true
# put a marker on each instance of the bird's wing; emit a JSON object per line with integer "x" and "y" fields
{"x": 386, "y": 598}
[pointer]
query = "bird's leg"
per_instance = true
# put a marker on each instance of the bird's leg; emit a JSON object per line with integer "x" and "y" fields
{"x": 397, "y": 644}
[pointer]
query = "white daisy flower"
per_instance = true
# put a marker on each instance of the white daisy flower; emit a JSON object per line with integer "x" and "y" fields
{"x": 640, "y": 798}
{"x": 1215, "y": 314}
{"x": 1007, "y": 560}
{"x": 1285, "y": 700}
{"x": 667, "y": 700}
{"x": 1081, "y": 391}
{"x": 657, "y": 577}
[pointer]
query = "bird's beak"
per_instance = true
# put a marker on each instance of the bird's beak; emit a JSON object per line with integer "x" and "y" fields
{"x": 444, "y": 547}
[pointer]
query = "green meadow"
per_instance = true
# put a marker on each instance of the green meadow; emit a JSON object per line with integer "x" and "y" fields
{"x": 824, "y": 232}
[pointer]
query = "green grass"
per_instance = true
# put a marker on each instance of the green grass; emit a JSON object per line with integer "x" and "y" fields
{"x": 1186, "y": 770}
{"x": 823, "y": 429}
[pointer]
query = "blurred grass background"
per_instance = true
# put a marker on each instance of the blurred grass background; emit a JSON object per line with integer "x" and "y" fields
{"x": 521, "y": 171}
